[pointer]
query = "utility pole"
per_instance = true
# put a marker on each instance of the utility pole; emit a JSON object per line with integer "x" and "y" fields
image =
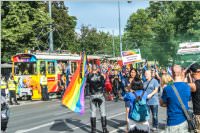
{"x": 120, "y": 35}
{"x": 113, "y": 43}
{"x": 51, "y": 31}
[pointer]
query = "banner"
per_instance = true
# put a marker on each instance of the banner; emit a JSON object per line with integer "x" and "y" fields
{"x": 128, "y": 57}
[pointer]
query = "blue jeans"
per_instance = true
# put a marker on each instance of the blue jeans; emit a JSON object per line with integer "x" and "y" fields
{"x": 154, "y": 111}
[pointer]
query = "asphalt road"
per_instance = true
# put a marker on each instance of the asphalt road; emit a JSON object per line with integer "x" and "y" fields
{"x": 51, "y": 117}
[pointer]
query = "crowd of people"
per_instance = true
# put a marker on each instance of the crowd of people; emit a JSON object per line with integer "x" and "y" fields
{"x": 143, "y": 89}
{"x": 152, "y": 86}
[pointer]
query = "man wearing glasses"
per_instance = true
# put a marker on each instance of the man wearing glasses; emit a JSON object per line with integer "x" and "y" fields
{"x": 195, "y": 89}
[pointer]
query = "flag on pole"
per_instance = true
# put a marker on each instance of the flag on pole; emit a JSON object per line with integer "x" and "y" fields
{"x": 169, "y": 71}
{"x": 73, "y": 97}
{"x": 145, "y": 67}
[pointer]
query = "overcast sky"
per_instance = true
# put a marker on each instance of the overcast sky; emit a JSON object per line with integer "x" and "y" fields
{"x": 103, "y": 14}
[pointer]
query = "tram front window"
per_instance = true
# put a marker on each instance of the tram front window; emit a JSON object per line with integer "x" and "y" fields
{"x": 51, "y": 67}
{"x": 24, "y": 68}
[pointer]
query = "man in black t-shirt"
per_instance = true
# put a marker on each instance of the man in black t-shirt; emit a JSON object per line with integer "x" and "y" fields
{"x": 195, "y": 89}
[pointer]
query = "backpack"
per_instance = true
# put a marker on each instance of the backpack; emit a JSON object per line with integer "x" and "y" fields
{"x": 139, "y": 112}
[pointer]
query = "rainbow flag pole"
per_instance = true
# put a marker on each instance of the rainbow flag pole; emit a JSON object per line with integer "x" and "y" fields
{"x": 73, "y": 97}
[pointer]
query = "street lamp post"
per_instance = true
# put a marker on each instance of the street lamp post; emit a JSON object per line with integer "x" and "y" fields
{"x": 119, "y": 20}
{"x": 113, "y": 44}
{"x": 51, "y": 33}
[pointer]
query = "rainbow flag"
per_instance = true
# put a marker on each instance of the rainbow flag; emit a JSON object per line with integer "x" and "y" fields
{"x": 73, "y": 97}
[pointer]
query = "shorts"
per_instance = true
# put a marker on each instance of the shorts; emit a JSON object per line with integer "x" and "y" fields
{"x": 142, "y": 127}
{"x": 127, "y": 104}
{"x": 180, "y": 128}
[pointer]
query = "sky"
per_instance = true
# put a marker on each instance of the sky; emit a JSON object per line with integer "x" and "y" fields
{"x": 103, "y": 14}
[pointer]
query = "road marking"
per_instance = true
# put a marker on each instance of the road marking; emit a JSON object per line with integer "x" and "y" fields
{"x": 35, "y": 128}
{"x": 97, "y": 121}
{"x": 114, "y": 122}
{"x": 51, "y": 123}
{"x": 60, "y": 113}
{"x": 120, "y": 128}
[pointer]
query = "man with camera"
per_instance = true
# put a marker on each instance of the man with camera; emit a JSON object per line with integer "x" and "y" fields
{"x": 97, "y": 100}
{"x": 194, "y": 72}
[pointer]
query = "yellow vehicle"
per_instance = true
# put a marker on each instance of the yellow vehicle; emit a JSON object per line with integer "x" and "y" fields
{"x": 27, "y": 70}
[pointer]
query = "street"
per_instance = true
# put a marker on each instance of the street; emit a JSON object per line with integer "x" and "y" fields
{"x": 52, "y": 117}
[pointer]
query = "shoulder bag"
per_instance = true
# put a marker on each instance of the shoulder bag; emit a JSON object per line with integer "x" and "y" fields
{"x": 191, "y": 122}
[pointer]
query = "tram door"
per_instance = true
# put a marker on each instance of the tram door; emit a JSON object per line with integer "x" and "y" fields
{"x": 51, "y": 76}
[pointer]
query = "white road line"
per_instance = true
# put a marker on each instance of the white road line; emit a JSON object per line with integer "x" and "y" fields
{"x": 35, "y": 128}
{"x": 114, "y": 131}
{"x": 60, "y": 113}
{"x": 97, "y": 121}
{"x": 114, "y": 122}
{"x": 51, "y": 123}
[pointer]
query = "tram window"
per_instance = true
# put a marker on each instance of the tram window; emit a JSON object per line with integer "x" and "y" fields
{"x": 73, "y": 67}
{"x": 51, "y": 67}
{"x": 35, "y": 68}
{"x": 42, "y": 67}
{"x": 25, "y": 68}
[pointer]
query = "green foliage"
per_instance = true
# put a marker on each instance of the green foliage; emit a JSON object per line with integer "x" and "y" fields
{"x": 159, "y": 29}
{"x": 93, "y": 41}
{"x": 64, "y": 27}
{"x": 21, "y": 25}
{"x": 25, "y": 25}
{"x": 156, "y": 30}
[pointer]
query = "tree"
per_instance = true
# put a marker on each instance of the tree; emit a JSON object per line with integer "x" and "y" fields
{"x": 93, "y": 41}
{"x": 139, "y": 32}
{"x": 22, "y": 24}
{"x": 64, "y": 27}
{"x": 169, "y": 23}
{"x": 187, "y": 22}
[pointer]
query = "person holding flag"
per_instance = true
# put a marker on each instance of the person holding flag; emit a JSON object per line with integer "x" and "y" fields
{"x": 74, "y": 99}
{"x": 97, "y": 100}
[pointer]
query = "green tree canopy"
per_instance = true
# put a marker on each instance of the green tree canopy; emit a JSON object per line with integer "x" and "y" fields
{"x": 64, "y": 27}
{"x": 22, "y": 24}
{"x": 158, "y": 29}
{"x": 93, "y": 41}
